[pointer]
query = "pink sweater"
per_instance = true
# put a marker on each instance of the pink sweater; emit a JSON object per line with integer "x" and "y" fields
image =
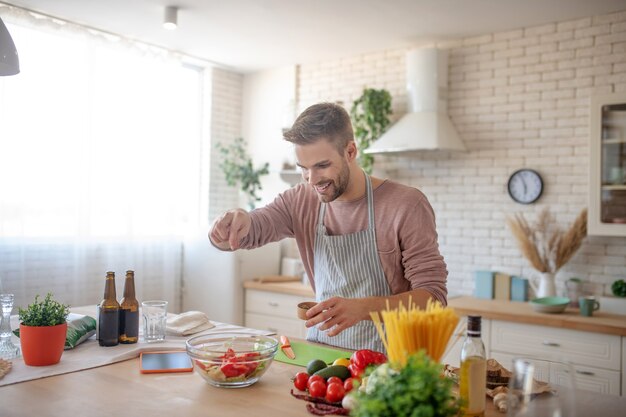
{"x": 405, "y": 232}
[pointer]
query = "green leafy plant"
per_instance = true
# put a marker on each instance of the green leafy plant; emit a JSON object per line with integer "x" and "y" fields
{"x": 44, "y": 313}
{"x": 619, "y": 288}
{"x": 417, "y": 389}
{"x": 239, "y": 170}
{"x": 370, "y": 117}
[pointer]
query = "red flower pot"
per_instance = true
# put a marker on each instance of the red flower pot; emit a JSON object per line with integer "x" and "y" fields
{"x": 42, "y": 345}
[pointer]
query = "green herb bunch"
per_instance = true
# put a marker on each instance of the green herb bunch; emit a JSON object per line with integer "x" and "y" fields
{"x": 44, "y": 313}
{"x": 238, "y": 169}
{"x": 416, "y": 390}
{"x": 370, "y": 118}
{"x": 619, "y": 288}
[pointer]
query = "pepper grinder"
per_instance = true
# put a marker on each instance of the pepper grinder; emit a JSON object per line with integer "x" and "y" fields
{"x": 7, "y": 349}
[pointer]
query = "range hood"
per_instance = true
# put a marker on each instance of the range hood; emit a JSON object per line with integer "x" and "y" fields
{"x": 426, "y": 126}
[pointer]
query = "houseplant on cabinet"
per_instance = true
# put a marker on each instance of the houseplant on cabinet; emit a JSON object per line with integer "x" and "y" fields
{"x": 238, "y": 169}
{"x": 370, "y": 117}
{"x": 43, "y": 329}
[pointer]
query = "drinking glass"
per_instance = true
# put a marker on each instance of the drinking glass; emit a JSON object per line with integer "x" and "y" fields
{"x": 154, "y": 315}
{"x": 541, "y": 388}
{"x": 7, "y": 349}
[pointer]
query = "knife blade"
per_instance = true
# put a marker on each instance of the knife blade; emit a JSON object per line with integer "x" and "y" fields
{"x": 285, "y": 345}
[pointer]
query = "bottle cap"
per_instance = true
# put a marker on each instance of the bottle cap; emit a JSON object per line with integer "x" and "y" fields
{"x": 473, "y": 325}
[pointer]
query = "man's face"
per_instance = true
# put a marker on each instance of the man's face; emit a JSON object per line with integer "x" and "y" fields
{"x": 324, "y": 169}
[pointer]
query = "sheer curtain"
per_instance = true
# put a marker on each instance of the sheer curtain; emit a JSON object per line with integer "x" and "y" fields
{"x": 100, "y": 158}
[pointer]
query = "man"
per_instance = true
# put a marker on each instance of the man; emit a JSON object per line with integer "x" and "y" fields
{"x": 364, "y": 242}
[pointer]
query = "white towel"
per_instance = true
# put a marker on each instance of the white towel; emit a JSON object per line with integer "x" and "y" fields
{"x": 188, "y": 323}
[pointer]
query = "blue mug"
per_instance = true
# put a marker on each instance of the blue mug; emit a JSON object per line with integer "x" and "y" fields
{"x": 588, "y": 305}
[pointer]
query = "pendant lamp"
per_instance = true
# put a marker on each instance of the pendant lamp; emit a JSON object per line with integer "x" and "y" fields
{"x": 9, "y": 61}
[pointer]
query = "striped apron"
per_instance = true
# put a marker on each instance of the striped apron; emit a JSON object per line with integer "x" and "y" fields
{"x": 348, "y": 266}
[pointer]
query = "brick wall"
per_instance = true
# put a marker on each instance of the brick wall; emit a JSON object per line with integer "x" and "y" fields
{"x": 226, "y": 109}
{"x": 518, "y": 99}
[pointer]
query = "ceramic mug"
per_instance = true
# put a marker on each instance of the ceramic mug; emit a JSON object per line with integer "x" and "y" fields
{"x": 588, "y": 305}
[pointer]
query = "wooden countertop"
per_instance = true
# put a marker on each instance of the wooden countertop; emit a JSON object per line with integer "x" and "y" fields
{"x": 120, "y": 389}
{"x": 293, "y": 287}
{"x": 519, "y": 312}
{"x": 512, "y": 311}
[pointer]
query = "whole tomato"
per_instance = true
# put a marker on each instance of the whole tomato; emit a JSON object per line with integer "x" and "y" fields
{"x": 317, "y": 389}
{"x": 335, "y": 392}
{"x": 334, "y": 379}
{"x": 349, "y": 384}
{"x": 301, "y": 380}
{"x": 314, "y": 378}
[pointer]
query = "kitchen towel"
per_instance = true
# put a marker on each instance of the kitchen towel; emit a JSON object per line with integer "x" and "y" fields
{"x": 187, "y": 323}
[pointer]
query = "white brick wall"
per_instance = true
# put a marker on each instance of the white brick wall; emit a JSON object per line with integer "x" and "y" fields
{"x": 518, "y": 99}
{"x": 225, "y": 124}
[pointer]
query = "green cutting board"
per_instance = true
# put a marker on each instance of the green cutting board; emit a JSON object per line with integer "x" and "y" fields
{"x": 305, "y": 352}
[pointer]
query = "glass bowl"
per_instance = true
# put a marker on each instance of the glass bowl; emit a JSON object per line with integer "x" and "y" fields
{"x": 231, "y": 360}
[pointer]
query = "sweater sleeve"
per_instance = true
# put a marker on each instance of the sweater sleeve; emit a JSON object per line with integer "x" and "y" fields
{"x": 424, "y": 267}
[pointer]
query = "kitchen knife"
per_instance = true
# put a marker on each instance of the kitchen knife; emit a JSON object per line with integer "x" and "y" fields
{"x": 286, "y": 347}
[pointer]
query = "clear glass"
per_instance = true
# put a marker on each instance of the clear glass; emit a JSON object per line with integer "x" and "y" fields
{"x": 154, "y": 314}
{"x": 541, "y": 388}
{"x": 7, "y": 349}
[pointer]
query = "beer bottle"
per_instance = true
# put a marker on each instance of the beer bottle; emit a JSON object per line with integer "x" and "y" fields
{"x": 109, "y": 314}
{"x": 129, "y": 311}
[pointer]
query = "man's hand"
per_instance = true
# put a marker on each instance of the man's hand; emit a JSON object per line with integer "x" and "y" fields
{"x": 228, "y": 230}
{"x": 338, "y": 314}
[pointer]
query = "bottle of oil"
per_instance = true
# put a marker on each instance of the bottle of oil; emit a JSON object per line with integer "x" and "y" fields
{"x": 473, "y": 378}
{"x": 129, "y": 311}
{"x": 109, "y": 314}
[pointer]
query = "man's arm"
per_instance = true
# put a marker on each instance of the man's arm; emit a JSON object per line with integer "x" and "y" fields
{"x": 228, "y": 229}
{"x": 338, "y": 313}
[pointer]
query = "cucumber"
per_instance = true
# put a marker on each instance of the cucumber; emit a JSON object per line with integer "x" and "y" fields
{"x": 339, "y": 371}
{"x": 315, "y": 365}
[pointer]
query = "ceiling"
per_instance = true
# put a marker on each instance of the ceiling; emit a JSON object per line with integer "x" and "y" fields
{"x": 252, "y": 35}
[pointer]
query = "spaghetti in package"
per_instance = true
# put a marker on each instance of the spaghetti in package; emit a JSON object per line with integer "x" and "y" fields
{"x": 79, "y": 329}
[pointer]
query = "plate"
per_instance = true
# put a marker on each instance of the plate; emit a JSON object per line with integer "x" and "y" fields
{"x": 551, "y": 305}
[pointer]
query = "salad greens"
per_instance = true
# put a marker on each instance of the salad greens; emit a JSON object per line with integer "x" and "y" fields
{"x": 416, "y": 390}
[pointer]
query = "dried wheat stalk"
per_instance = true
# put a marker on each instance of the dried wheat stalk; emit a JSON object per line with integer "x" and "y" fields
{"x": 545, "y": 246}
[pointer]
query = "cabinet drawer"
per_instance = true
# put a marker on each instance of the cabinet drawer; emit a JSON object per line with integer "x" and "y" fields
{"x": 273, "y": 304}
{"x": 549, "y": 343}
{"x": 278, "y": 325}
{"x": 587, "y": 378}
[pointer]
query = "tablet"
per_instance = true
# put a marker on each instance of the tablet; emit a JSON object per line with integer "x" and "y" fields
{"x": 169, "y": 361}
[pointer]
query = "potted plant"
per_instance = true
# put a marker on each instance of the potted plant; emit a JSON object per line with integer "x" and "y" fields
{"x": 43, "y": 330}
{"x": 238, "y": 169}
{"x": 615, "y": 303}
{"x": 370, "y": 117}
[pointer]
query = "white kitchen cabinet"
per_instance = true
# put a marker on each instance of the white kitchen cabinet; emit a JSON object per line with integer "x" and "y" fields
{"x": 607, "y": 168}
{"x": 623, "y": 366}
{"x": 595, "y": 357}
{"x": 452, "y": 355}
{"x": 274, "y": 312}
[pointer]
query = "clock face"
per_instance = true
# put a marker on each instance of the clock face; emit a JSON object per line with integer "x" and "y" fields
{"x": 525, "y": 186}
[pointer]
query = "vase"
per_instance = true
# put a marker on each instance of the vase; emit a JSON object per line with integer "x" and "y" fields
{"x": 42, "y": 345}
{"x": 543, "y": 284}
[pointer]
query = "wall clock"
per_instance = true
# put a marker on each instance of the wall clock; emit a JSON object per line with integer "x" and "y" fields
{"x": 525, "y": 186}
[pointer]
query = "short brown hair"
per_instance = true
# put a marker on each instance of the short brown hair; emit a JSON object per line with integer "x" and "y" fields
{"x": 327, "y": 121}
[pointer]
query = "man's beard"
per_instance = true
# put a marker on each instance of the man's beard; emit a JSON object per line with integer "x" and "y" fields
{"x": 338, "y": 187}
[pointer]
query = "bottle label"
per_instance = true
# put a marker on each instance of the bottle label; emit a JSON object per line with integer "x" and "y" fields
{"x": 108, "y": 326}
{"x": 129, "y": 326}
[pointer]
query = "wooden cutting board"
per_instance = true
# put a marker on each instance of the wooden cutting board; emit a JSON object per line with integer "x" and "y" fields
{"x": 305, "y": 352}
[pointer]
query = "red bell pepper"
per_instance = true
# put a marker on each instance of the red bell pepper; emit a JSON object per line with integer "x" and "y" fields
{"x": 365, "y": 357}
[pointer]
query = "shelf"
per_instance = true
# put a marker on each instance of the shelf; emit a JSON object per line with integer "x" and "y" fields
{"x": 613, "y": 141}
{"x": 613, "y": 187}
